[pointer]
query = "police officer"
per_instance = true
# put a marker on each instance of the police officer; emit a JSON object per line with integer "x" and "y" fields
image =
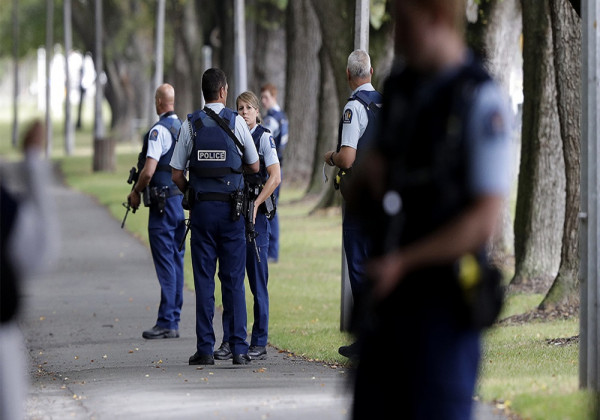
{"x": 219, "y": 147}
{"x": 276, "y": 122}
{"x": 439, "y": 172}
{"x": 166, "y": 219}
{"x": 356, "y": 129}
{"x": 265, "y": 181}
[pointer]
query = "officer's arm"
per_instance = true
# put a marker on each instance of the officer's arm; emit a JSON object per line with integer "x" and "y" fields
{"x": 146, "y": 174}
{"x": 143, "y": 180}
{"x": 179, "y": 179}
{"x": 466, "y": 233}
{"x": 343, "y": 159}
{"x": 252, "y": 168}
{"x": 273, "y": 182}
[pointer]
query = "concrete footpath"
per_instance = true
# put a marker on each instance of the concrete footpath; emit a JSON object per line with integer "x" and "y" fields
{"x": 83, "y": 323}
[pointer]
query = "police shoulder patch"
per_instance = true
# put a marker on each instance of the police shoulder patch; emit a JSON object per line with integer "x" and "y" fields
{"x": 347, "y": 118}
{"x": 153, "y": 134}
{"x": 272, "y": 142}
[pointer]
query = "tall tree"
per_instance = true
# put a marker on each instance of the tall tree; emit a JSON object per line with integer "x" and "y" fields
{"x": 566, "y": 36}
{"x": 267, "y": 52}
{"x": 302, "y": 86}
{"x": 541, "y": 187}
{"x": 128, "y": 52}
{"x": 336, "y": 19}
{"x": 187, "y": 64}
{"x": 494, "y": 31}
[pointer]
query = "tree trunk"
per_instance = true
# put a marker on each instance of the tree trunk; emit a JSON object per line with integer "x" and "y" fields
{"x": 267, "y": 52}
{"x": 566, "y": 30}
{"x": 328, "y": 128}
{"x": 497, "y": 34}
{"x": 336, "y": 19}
{"x": 302, "y": 80}
{"x": 187, "y": 58}
{"x": 540, "y": 208}
{"x": 127, "y": 52}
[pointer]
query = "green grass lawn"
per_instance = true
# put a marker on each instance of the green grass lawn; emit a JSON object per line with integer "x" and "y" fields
{"x": 520, "y": 371}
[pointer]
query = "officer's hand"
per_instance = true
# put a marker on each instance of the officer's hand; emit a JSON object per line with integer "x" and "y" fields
{"x": 134, "y": 199}
{"x": 386, "y": 273}
{"x": 327, "y": 157}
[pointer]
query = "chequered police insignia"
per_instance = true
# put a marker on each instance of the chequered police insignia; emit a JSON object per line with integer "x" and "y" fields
{"x": 153, "y": 135}
{"x": 347, "y": 118}
{"x": 272, "y": 142}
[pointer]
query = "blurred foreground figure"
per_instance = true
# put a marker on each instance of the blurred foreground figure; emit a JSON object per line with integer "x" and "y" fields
{"x": 28, "y": 246}
{"x": 430, "y": 192}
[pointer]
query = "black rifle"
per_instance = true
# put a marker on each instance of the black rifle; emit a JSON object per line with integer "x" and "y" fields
{"x": 133, "y": 177}
{"x": 250, "y": 194}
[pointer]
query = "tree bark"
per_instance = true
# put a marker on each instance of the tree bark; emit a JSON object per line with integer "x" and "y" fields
{"x": 566, "y": 30}
{"x": 187, "y": 58}
{"x": 497, "y": 34}
{"x": 267, "y": 50}
{"x": 328, "y": 128}
{"x": 127, "y": 53}
{"x": 541, "y": 197}
{"x": 302, "y": 86}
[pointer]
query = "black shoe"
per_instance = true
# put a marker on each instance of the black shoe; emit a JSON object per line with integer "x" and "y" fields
{"x": 257, "y": 352}
{"x": 159, "y": 332}
{"x": 202, "y": 359}
{"x": 241, "y": 359}
{"x": 351, "y": 351}
{"x": 223, "y": 352}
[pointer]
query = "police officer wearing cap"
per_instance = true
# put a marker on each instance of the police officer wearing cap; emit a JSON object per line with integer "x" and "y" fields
{"x": 219, "y": 148}
{"x": 166, "y": 219}
{"x": 356, "y": 129}
{"x": 265, "y": 182}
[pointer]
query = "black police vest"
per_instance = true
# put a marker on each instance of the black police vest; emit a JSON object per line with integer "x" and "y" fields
{"x": 426, "y": 147}
{"x": 162, "y": 175}
{"x": 9, "y": 283}
{"x": 282, "y": 120}
{"x": 261, "y": 176}
{"x": 371, "y": 100}
{"x": 215, "y": 162}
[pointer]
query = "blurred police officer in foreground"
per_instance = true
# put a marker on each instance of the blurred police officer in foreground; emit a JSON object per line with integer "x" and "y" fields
{"x": 356, "y": 129}
{"x": 260, "y": 187}
{"x": 166, "y": 219}
{"x": 434, "y": 186}
{"x": 219, "y": 148}
{"x": 276, "y": 121}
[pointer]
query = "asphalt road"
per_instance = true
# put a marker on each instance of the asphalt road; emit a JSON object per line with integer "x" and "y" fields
{"x": 83, "y": 322}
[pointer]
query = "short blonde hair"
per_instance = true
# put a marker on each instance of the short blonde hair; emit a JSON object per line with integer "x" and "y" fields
{"x": 251, "y": 99}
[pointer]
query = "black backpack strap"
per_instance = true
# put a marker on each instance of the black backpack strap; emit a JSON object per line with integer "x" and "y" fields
{"x": 224, "y": 126}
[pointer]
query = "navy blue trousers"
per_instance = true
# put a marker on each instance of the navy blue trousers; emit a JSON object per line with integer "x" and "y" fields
{"x": 216, "y": 237}
{"x": 258, "y": 277}
{"x": 356, "y": 246}
{"x": 430, "y": 369}
{"x": 165, "y": 233}
{"x": 273, "y": 245}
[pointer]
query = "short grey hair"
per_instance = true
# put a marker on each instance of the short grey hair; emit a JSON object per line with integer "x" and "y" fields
{"x": 359, "y": 64}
